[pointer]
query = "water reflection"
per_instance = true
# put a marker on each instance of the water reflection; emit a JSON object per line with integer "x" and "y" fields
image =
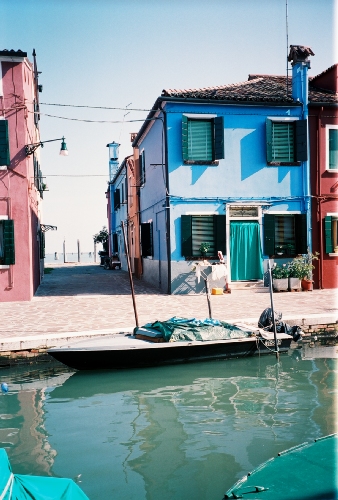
{"x": 169, "y": 432}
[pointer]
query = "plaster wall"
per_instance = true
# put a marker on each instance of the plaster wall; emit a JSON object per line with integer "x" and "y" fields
{"x": 20, "y": 200}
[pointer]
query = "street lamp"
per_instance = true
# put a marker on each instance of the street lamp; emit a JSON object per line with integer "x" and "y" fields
{"x": 30, "y": 148}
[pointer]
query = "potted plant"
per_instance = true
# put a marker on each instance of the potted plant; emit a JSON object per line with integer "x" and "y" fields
{"x": 204, "y": 247}
{"x": 301, "y": 267}
{"x": 280, "y": 275}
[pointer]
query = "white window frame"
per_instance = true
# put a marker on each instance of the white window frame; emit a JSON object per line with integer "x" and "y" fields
{"x": 327, "y": 156}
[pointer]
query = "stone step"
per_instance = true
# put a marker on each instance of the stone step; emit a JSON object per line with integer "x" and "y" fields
{"x": 246, "y": 285}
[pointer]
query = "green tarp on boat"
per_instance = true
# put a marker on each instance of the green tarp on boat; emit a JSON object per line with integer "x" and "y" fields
{"x": 24, "y": 487}
{"x": 176, "y": 329}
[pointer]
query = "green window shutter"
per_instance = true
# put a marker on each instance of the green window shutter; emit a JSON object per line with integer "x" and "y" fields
{"x": 328, "y": 234}
{"x": 268, "y": 140}
{"x": 220, "y": 233}
{"x": 219, "y": 138}
{"x": 333, "y": 148}
{"x": 301, "y": 140}
{"x": 4, "y": 143}
{"x": 147, "y": 239}
{"x": 42, "y": 245}
{"x": 185, "y": 137}
{"x": 9, "y": 248}
{"x": 283, "y": 138}
{"x": 186, "y": 235}
{"x": 269, "y": 234}
{"x": 301, "y": 233}
{"x": 200, "y": 140}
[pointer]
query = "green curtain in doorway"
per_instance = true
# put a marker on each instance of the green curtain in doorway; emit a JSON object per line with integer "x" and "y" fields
{"x": 245, "y": 251}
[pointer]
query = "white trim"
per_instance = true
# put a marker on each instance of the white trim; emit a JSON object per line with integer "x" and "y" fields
{"x": 283, "y": 118}
{"x": 201, "y": 213}
{"x": 4, "y": 266}
{"x": 333, "y": 254}
{"x": 332, "y": 214}
{"x": 327, "y": 128}
{"x": 280, "y": 212}
{"x": 3, "y": 217}
{"x": 199, "y": 115}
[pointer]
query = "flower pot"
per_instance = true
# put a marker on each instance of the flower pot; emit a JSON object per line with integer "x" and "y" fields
{"x": 294, "y": 284}
{"x": 307, "y": 285}
{"x": 280, "y": 285}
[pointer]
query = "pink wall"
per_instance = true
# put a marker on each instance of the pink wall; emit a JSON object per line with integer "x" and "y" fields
{"x": 19, "y": 199}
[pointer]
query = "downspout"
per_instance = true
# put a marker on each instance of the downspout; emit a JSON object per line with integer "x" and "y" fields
{"x": 306, "y": 164}
{"x": 319, "y": 200}
{"x": 167, "y": 198}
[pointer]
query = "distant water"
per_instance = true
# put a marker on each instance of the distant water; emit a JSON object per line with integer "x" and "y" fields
{"x": 86, "y": 257}
{"x": 172, "y": 432}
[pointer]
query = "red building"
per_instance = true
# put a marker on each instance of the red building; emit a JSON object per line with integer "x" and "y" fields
{"x": 21, "y": 186}
{"x": 323, "y": 135}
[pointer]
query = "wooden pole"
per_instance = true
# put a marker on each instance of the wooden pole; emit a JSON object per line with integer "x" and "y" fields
{"x": 273, "y": 311}
{"x": 78, "y": 251}
{"x": 130, "y": 275}
{"x": 208, "y": 296}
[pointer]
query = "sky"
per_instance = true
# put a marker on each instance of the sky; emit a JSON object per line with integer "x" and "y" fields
{"x": 121, "y": 54}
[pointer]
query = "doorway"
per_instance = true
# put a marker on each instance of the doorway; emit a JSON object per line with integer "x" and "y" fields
{"x": 246, "y": 259}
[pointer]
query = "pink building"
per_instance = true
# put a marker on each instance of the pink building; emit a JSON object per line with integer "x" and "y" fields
{"x": 21, "y": 186}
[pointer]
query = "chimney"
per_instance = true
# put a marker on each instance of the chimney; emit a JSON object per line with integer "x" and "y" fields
{"x": 299, "y": 57}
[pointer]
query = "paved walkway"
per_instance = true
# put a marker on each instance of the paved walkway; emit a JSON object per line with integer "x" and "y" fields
{"x": 80, "y": 300}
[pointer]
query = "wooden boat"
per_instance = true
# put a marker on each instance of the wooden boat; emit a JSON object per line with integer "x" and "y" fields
{"x": 304, "y": 472}
{"x": 142, "y": 349}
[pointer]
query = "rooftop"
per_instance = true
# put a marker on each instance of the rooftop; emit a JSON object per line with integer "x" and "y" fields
{"x": 12, "y": 53}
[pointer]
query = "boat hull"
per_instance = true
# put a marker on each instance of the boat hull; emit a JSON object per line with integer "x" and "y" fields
{"x": 109, "y": 355}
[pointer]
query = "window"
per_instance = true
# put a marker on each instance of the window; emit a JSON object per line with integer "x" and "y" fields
{"x": 285, "y": 234}
{"x": 147, "y": 239}
{"x": 202, "y": 140}
{"x": 115, "y": 248}
{"x": 197, "y": 229}
{"x": 286, "y": 142}
{"x": 117, "y": 201}
{"x": 7, "y": 251}
{"x": 332, "y": 147}
{"x": 142, "y": 169}
{"x": 331, "y": 233}
{"x": 4, "y": 143}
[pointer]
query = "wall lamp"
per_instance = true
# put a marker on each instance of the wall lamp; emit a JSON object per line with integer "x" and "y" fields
{"x": 30, "y": 148}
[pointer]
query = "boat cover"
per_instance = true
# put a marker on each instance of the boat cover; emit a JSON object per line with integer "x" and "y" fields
{"x": 22, "y": 487}
{"x": 176, "y": 329}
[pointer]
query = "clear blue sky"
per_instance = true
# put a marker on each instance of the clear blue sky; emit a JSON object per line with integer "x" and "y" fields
{"x": 116, "y": 52}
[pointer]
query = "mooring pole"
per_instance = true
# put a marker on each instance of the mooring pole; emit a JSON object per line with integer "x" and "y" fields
{"x": 273, "y": 311}
{"x": 208, "y": 296}
{"x": 129, "y": 271}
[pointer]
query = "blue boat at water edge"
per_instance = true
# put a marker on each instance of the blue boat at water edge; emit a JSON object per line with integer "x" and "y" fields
{"x": 304, "y": 472}
{"x": 24, "y": 487}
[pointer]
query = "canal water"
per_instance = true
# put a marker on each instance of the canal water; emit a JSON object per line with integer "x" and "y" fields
{"x": 174, "y": 432}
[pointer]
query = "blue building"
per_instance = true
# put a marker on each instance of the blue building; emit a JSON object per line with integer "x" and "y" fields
{"x": 226, "y": 166}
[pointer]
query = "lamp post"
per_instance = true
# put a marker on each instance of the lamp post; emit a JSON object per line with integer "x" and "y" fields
{"x": 30, "y": 148}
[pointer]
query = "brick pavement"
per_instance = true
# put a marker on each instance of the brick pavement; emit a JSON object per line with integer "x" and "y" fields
{"x": 77, "y": 299}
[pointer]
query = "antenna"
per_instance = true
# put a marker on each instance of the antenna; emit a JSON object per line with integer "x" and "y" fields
{"x": 287, "y": 47}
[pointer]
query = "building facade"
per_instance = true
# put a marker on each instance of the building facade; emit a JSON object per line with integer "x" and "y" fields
{"x": 226, "y": 168}
{"x": 323, "y": 130}
{"x": 21, "y": 182}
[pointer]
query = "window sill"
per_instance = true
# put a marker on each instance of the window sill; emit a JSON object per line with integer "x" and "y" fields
{"x": 284, "y": 163}
{"x": 332, "y": 170}
{"x": 333, "y": 254}
{"x": 200, "y": 162}
{"x": 3, "y": 266}
{"x": 202, "y": 258}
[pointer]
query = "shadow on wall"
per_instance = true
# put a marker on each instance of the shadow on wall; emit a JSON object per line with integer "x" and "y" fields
{"x": 186, "y": 283}
{"x": 252, "y": 158}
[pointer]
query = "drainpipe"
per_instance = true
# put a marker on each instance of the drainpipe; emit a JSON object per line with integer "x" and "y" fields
{"x": 319, "y": 200}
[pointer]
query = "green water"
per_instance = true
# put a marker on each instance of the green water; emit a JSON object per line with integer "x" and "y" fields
{"x": 175, "y": 432}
